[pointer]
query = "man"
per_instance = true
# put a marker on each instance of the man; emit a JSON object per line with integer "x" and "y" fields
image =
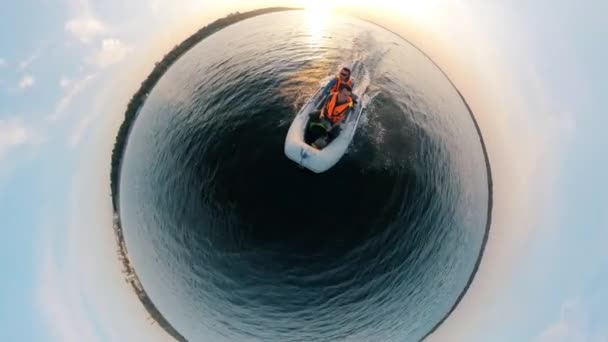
{"x": 324, "y": 124}
{"x": 343, "y": 77}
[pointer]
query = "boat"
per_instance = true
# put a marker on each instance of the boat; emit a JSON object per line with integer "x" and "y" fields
{"x": 312, "y": 158}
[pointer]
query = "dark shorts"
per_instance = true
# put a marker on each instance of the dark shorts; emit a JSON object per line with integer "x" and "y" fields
{"x": 315, "y": 129}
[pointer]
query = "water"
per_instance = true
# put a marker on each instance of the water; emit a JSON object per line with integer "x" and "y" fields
{"x": 233, "y": 242}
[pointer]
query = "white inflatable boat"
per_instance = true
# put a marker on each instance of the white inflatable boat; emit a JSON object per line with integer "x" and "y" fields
{"x": 310, "y": 157}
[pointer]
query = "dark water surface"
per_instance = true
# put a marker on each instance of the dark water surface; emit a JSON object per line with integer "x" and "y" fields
{"x": 233, "y": 242}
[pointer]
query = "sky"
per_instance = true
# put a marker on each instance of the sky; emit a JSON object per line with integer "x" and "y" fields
{"x": 532, "y": 71}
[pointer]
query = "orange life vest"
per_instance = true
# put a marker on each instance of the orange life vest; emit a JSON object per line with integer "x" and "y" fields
{"x": 336, "y": 86}
{"x": 335, "y": 113}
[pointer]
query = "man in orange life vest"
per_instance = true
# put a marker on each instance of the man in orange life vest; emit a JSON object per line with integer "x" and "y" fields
{"x": 324, "y": 123}
{"x": 343, "y": 77}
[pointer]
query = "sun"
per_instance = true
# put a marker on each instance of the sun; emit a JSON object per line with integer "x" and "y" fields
{"x": 317, "y": 14}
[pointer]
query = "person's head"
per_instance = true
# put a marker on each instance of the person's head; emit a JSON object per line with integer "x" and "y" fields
{"x": 345, "y": 74}
{"x": 344, "y": 92}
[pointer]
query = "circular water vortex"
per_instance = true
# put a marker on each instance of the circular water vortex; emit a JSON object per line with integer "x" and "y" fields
{"x": 234, "y": 242}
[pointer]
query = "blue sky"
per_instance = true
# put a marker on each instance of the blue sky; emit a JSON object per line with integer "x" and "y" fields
{"x": 533, "y": 73}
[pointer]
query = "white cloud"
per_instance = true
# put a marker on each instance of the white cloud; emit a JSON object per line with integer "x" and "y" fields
{"x": 27, "y": 81}
{"x": 64, "y": 82}
{"x": 18, "y": 142}
{"x": 112, "y": 51}
{"x": 13, "y": 133}
{"x": 16, "y": 133}
{"x": 84, "y": 25}
{"x": 85, "y": 28}
{"x": 24, "y": 64}
{"x": 569, "y": 327}
{"x": 2, "y": 62}
{"x": 79, "y": 130}
{"x": 72, "y": 89}
{"x": 154, "y": 5}
{"x": 573, "y": 325}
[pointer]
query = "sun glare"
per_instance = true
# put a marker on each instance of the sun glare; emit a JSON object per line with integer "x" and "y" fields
{"x": 416, "y": 10}
{"x": 316, "y": 19}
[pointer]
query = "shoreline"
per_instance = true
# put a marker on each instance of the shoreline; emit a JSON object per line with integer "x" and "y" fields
{"x": 131, "y": 278}
{"x": 131, "y": 113}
